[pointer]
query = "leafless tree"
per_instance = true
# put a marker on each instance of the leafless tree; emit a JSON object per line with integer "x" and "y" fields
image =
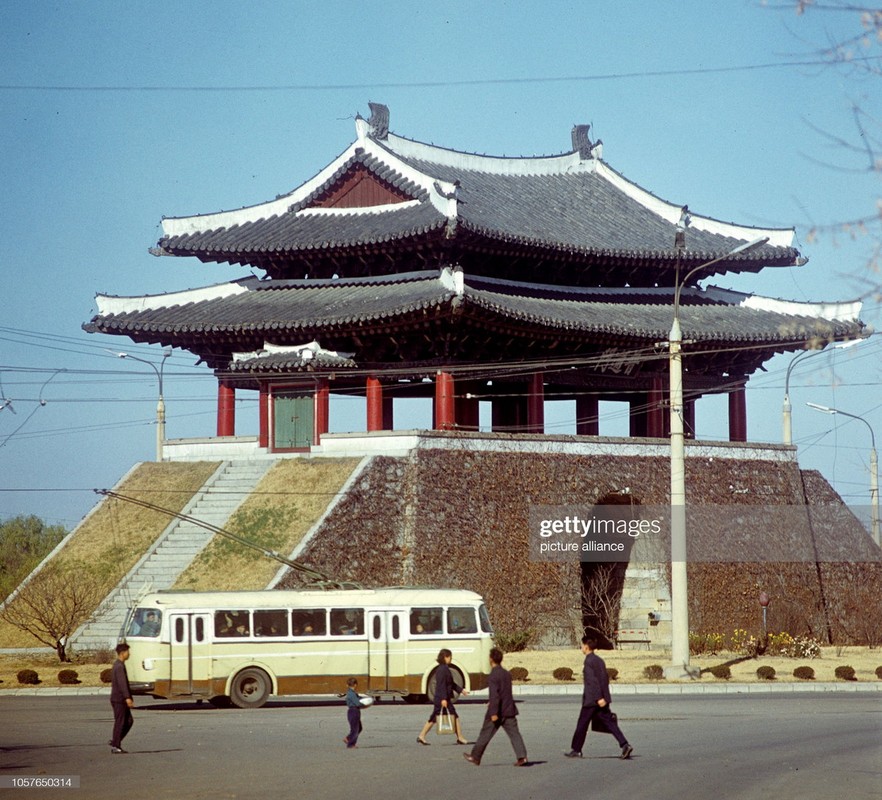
{"x": 53, "y": 604}
{"x": 602, "y": 585}
{"x": 858, "y": 55}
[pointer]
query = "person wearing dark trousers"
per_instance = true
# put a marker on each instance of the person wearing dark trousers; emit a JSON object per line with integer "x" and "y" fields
{"x": 595, "y": 703}
{"x": 445, "y": 689}
{"x": 120, "y": 700}
{"x": 353, "y": 713}
{"x": 501, "y": 713}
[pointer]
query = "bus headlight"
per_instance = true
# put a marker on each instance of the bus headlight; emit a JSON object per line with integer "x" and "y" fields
{"x": 147, "y": 663}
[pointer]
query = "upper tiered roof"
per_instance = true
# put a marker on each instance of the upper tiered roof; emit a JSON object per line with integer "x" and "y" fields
{"x": 573, "y": 214}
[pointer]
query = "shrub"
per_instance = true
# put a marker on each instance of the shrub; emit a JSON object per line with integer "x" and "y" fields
{"x": 743, "y": 642}
{"x": 563, "y": 674}
{"x": 802, "y": 647}
{"x": 68, "y": 676}
{"x": 721, "y": 671}
{"x": 106, "y": 675}
{"x": 28, "y": 676}
{"x": 705, "y": 643}
{"x": 879, "y": 672}
{"x": 654, "y": 672}
{"x": 779, "y": 643}
{"x": 612, "y": 673}
{"x": 513, "y": 642}
{"x": 845, "y": 673}
{"x": 519, "y": 673}
{"x": 765, "y": 673}
{"x": 804, "y": 673}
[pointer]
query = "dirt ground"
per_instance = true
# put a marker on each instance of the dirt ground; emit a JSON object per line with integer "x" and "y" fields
{"x": 541, "y": 665}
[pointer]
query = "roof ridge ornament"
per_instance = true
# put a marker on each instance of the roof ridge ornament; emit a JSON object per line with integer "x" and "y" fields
{"x": 379, "y": 121}
{"x": 581, "y": 142}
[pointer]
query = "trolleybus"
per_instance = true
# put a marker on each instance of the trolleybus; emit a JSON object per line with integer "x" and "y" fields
{"x": 242, "y": 647}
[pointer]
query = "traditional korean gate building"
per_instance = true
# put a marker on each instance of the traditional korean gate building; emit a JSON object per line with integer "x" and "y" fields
{"x": 404, "y": 269}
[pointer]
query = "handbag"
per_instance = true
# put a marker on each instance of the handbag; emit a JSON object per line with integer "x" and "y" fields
{"x": 598, "y": 722}
{"x": 445, "y": 722}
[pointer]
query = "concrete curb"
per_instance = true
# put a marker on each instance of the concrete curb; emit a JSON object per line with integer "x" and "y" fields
{"x": 551, "y": 690}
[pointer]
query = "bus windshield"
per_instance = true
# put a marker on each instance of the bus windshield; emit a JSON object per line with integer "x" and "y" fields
{"x": 145, "y": 622}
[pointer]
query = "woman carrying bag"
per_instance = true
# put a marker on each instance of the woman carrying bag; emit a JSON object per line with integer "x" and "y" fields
{"x": 445, "y": 689}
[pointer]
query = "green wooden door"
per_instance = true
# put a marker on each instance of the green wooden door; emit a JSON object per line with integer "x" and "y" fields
{"x": 293, "y": 420}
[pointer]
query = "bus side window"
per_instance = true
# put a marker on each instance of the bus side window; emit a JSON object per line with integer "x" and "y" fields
{"x": 347, "y": 621}
{"x": 308, "y": 622}
{"x": 271, "y": 623}
{"x": 231, "y": 623}
{"x": 425, "y": 621}
{"x": 461, "y": 620}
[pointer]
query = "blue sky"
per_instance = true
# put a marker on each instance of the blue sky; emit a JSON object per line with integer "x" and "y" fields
{"x": 114, "y": 115}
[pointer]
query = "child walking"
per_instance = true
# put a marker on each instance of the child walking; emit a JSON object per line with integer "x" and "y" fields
{"x": 353, "y": 713}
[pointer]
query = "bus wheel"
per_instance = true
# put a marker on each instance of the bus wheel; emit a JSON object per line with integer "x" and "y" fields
{"x": 250, "y": 688}
{"x": 458, "y": 682}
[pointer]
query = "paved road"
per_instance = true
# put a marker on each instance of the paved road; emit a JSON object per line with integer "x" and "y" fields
{"x": 816, "y": 746}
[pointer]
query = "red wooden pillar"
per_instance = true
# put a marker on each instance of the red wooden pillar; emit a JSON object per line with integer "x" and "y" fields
{"x": 374, "y": 390}
{"x": 655, "y": 413}
{"x": 738, "y": 415}
{"x": 263, "y": 403}
{"x": 587, "y": 415}
{"x": 321, "y": 417}
{"x": 536, "y": 404}
{"x": 388, "y": 413}
{"x": 226, "y": 409}
{"x": 468, "y": 413}
{"x": 445, "y": 402}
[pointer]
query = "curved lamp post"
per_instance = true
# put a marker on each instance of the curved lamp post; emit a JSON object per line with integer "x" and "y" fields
{"x": 786, "y": 410}
{"x": 679, "y": 667}
{"x": 160, "y": 405}
{"x": 874, "y": 465}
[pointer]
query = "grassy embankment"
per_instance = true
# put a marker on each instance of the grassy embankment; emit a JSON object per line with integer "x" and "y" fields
{"x": 110, "y": 542}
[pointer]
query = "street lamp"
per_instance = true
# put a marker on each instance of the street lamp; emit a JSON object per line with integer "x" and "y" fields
{"x": 160, "y": 405}
{"x": 786, "y": 409}
{"x": 874, "y": 465}
{"x": 679, "y": 667}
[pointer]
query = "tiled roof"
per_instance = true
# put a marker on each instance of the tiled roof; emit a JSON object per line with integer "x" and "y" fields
{"x": 570, "y": 204}
{"x": 286, "y": 311}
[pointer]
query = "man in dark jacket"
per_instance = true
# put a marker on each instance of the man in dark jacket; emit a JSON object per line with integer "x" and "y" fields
{"x": 595, "y": 703}
{"x": 501, "y": 713}
{"x": 120, "y": 699}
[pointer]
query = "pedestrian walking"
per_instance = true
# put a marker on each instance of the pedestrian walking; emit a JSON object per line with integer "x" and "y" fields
{"x": 353, "y": 713}
{"x": 445, "y": 689}
{"x": 595, "y": 703}
{"x": 501, "y": 713}
{"x": 120, "y": 700}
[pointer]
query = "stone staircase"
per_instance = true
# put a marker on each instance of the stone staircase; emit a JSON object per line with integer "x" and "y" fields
{"x": 174, "y": 550}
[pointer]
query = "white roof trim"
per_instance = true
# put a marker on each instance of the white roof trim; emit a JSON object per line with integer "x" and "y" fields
{"x": 842, "y": 312}
{"x": 498, "y": 165}
{"x": 110, "y": 304}
{"x": 670, "y": 212}
{"x": 346, "y": 212}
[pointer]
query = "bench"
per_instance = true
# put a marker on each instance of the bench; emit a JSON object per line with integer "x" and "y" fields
{"x": 632, "y": 636}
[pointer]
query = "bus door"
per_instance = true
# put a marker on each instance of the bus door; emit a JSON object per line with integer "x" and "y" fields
{"x": 387, "y": 650}
{"x": 190, "y": 668}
